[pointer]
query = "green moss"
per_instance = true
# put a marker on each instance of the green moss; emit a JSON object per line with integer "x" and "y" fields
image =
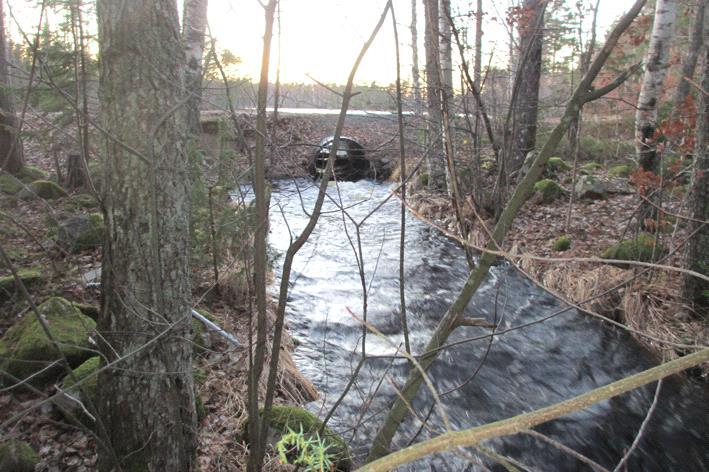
{"x": 621, "y": 170}
{"x": 32, "y": 173}
{"x": 557, "y": 164}
{"x": 84, "y": 201}
{"x": 8, "y": 288}
{"x": 639, "y": 248}
{"x": 283, "y": 418}
{"x": 17, "y": 456}
{"x": 549, "y": 190}
{"x": 590, "y": 167}
{"x": 42, "y": 189}
{"x": 90, "y": 386}
{"x": 9, "y": 184}
{"x": 80, "y": 233}
{"x": 92, "y": 311}
{"x": 25, "y": 349}
{"x": 563, "y": 243}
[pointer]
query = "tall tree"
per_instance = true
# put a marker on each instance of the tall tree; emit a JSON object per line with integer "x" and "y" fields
{"x": 11, "y": 151}
{"x": 418, "y": 105}
{"x": 147, "y": 399}
{"x": 434, "y": 153}
{"x": 477, "y": 68}
{"x": 531, "y": 35}
{"x": 194, "y": 26}
{"x": 697, "y": 39}
{"x": 656, "y": 65}
{"x": 695, "y": 292}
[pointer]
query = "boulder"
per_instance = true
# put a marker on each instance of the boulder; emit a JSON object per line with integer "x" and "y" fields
{"x": 620, "y": 170}
{"x": 81, "y": 232}
{"x": 30, "y": 174}
{"x": 284, "y": 419}
{"x": 10, "y": 184}
{"x": 25, "y": 349}
{"x": 590, "y": 167}
{"x": 590, "y": 188}
{"x": 557, "y": 164}
{"x": 549, "y": 190}
{"x": 17, "y": 456}
{"x": 8, "y": 287}
{"x": 42, "y": 189}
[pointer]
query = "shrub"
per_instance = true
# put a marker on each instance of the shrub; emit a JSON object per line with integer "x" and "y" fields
{"x": 563, "y": 243}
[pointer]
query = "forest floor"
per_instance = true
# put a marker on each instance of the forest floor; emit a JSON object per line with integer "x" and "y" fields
{"x": 644, "y": 301}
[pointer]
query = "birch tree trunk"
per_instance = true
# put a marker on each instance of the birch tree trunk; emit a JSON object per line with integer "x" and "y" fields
{"x": 531, "y": 35}
{"x": 656, "y": 65}
{"x": 11, "y": 156}
{"x": 194, "y": 26}
{"x": 435, "y": 153}
{"x": 695, "y": 292}
{"x": 477, "y": 67}
{"x": 147, "y": 399}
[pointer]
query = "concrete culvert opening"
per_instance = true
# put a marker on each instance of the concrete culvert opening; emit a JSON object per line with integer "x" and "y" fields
{"x": 350, "y": 163}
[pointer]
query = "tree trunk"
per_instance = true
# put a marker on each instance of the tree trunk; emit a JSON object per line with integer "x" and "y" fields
{"x": 147, "y": 400}
{"x": 434, "y": 154}
{"x": 531, "y": 34}
{"x": 695, "y": 292}
{"x": 11, "y": 156}
{"x": 690, "y": 60}
{"x": 656, "y": 65}
{"x": 446, "y": 76}
{"x": 418, "y": 104}
{"x": 194, "y": 26}
{"x": 477, "y": 68}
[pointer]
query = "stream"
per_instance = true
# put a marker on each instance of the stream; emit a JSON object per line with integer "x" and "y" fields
{"x": 518, "y": 371}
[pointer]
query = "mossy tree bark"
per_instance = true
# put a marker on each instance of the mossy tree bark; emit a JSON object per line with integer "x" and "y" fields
{"x": 452, "y": 318}
{"x": 11, "y": 152}
{"x": 147, "y": 399}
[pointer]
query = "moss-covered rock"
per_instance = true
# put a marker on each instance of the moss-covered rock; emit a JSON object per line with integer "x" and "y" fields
{"x": 81, "y": 232}
{"x": 557, "y": 164}
{"x": 639, "y": 248}
{"x": 620, "y": 170}
{"x": 17, "y": 456}
{"x": 590, "y": 167}
{"x": 563, "y": 243}
{"x": 589, "y": 187}
{"x": 88, "y": 309}
{"x": 10, "y": 184}
{"x": 90, "y": 386}
{"x": 549, "y": 190}
{"x": 26, "y": 350}
{"x": 8, "y": 287}
{"x": 285, "y": 418}
{"x": 31, "y": 173}
{"x": 42, "y": 189}
{"x": 84, "y": 201}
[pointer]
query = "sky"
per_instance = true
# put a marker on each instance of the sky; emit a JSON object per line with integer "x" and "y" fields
{"x": 322, "y": 38}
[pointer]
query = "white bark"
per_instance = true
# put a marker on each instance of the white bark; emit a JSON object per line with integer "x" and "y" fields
{"x": 656, "y": 65}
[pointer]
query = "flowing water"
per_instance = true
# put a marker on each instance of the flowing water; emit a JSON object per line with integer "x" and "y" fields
{"x": 518, "y": 371}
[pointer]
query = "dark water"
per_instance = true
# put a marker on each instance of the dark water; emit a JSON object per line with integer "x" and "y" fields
{"x": 519, "y": 371}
